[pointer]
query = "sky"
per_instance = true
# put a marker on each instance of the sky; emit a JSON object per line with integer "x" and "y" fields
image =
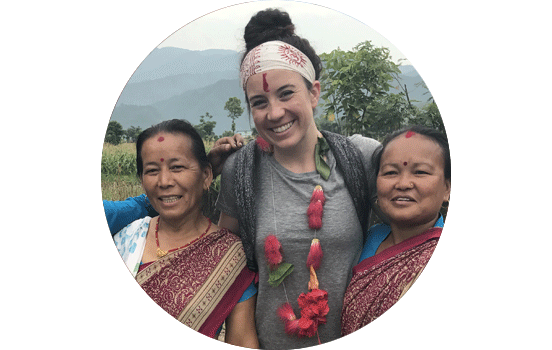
{"x": 326, "y": 29}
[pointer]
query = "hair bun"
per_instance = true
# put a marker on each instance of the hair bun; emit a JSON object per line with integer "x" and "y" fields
{"x": 267, "y": 25}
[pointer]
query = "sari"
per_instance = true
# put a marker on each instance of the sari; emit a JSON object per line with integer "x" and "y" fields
{"x": 379, "y": 281}
{"x": 199, "y": 284}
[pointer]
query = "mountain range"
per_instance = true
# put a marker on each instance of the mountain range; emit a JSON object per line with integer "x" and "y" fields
{"x": 184, "y": 84}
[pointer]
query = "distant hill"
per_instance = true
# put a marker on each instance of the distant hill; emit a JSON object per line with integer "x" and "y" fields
{"x": 168, "y": 61}
{"x": 178, "y": 83}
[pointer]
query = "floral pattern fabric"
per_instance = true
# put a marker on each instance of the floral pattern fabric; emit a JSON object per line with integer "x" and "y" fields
{"x": 130, "y": 243}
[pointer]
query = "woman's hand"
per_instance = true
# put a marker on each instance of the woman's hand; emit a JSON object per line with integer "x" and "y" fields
{"x": 223, "y": 148}
{"x": 240, "y": 325}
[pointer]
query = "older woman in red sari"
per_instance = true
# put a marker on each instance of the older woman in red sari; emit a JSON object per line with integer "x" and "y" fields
{"x": 413, "y": 183}
{"x": 193, "y": 269}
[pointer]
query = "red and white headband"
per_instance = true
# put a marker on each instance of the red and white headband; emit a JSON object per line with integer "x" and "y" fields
{"x": 276, "y": 55}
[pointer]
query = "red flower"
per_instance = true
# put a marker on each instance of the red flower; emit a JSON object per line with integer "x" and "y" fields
{"x": 317, "y": 298}
{"x": 315, "y": 254}
{"x": 288, "y": 317}
{"x": 273, "y": 251}
{"x": 292, "y": 327}
{"x": 314, "y": 308}
{"x": 265, "y": 146}
{"x": 286, "y": 312}
{"x": 307, "y": 327}
{"x": 318, "y": 195}
{"x": 315, "y": 210}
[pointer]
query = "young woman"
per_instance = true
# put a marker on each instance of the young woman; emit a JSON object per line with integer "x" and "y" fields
{"x": 413, "y": 183}
{"x": 193, "y": 269}
{"x": 267, "y": 187}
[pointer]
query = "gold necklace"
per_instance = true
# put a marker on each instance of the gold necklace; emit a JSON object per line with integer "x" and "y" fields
{"x": 161, "y": 253}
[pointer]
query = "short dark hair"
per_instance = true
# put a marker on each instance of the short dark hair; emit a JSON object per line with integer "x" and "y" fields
{"x": 174, "y": 126}
{"x": 433, "y": 134}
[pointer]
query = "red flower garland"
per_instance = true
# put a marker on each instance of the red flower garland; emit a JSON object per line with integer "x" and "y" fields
{"x": 314, "y": 305}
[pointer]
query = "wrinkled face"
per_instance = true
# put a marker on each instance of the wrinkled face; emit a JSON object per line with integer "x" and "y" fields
{"x": 411, "y": 183}
{"x": 172, "y": 178}
{"x": 282, "y": 107}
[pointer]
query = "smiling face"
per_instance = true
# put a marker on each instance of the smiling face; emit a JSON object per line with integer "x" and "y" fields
{"x": 172, "y": 177}
{"x": 282, "y": 108}
{"x": 411, "y": 182}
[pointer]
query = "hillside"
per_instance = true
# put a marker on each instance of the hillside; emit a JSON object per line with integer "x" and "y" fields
{"x": 177, "y": 83}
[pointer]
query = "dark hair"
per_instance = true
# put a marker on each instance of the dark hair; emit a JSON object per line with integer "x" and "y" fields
{"x": 273, "y": 24}
{"x": 434, "y": 135}
{"x": 174, "y": 126}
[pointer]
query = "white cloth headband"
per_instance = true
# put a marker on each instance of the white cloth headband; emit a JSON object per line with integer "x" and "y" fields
{"x": 276, "y": 55}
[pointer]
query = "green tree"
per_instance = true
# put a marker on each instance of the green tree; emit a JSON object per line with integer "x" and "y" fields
{"x": 327, "y": 123}
{"x": 206, "y": 126}
{"x": 114, "y": 133}
{"x": 132, "y": 133}
{"x": 227, "y": 133}
{"x": 394, "y": 111}
{"x": 352, "y": 82}
{"x": 234, "y": 108}
{"x": 430, "y": 116}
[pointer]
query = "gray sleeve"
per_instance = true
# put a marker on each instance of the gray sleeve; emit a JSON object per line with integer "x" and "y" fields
{"x": 367, "y": 146}
{"x": 226, "y": 200}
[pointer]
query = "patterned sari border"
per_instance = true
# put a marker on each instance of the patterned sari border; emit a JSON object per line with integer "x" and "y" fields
{"x": 410, "y": 243}
{"x": 213, "y": 290}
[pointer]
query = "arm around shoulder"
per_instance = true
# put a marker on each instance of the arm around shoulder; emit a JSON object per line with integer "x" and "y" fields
{"x": 121, "y": 213}
{"x": 367, "y": 147}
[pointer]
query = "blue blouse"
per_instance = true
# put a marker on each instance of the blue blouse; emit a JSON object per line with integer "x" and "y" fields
{"x": 378, "y": 233}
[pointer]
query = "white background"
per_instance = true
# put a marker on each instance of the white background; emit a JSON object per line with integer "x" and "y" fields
{"x": 485, "y": 62}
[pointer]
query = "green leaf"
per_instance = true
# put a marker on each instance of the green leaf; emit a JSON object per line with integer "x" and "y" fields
{"x": 277, "y": 276}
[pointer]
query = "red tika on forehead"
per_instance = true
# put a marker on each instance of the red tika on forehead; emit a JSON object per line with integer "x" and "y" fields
{"x": 265, "y": 83}
{"x": 409, "y": 134}
{"x": 162, "y": 159}
{"x": 161, "y": 138}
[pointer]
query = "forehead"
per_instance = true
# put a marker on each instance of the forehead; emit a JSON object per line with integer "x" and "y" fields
{"x": 167, "y": 143}
{"x": 414, "y": 148}
{"x": 274, "y": 77}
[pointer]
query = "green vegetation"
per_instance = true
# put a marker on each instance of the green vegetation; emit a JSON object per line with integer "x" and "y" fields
{"x": 356, "y": 94}
{"x": 118, "y": 168}
{"x": 235, "y": 110}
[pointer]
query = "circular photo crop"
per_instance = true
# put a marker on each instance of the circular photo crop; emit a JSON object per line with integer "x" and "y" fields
{"x": 276, "y": 175}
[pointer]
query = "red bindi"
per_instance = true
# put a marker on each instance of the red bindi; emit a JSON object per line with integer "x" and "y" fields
{"x": 265, "y": 83}
{"x": 161, "y": 138}
{"x": 162, "y": 159}
{"x": 405, "y": 163}
{"x": 409, "y": 134}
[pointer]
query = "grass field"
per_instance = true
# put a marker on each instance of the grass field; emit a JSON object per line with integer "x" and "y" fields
{"x": 119, "y": 180}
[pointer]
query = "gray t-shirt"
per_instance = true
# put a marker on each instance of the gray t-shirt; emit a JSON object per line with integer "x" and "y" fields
{"x": 281, "y": 205}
